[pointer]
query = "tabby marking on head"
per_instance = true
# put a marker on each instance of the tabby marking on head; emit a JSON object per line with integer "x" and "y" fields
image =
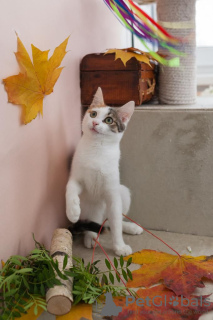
{"x": 117, "y": 125}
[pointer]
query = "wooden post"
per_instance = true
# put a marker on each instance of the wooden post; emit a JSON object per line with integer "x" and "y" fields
{"x": 59, "y": 299}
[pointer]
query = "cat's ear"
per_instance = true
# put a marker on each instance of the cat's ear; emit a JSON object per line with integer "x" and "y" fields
{"x": 98, "y": 100}
{"x": 125, "y": 112}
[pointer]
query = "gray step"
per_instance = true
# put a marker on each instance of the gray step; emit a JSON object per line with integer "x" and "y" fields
{"x": 167, "y": 162}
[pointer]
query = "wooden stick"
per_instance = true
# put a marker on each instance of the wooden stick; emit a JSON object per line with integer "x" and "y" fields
{"x": 59, "y": 298}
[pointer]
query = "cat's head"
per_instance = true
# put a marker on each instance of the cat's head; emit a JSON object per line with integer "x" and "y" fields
{"x": 101, "y": 120}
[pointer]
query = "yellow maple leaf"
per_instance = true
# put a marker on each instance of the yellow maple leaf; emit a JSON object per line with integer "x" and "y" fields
{"x": 129, "y": 53}
{"x": 36, "y": 80}
{"x": 81, "y": 310}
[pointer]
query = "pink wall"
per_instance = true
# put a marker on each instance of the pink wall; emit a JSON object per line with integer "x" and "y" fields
{"x": 33, "y": 158}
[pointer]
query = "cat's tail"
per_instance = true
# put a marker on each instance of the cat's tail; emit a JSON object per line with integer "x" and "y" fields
{"x": 85, "y": 225}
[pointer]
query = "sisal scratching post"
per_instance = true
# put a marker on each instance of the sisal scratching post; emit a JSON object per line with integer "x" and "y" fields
{"x": 59, "y": 298}
{"x": 178, "y": 85}
{"x": 144, "y": 1}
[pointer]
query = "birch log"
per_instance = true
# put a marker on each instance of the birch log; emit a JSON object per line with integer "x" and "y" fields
{"x": 59, "y": 298}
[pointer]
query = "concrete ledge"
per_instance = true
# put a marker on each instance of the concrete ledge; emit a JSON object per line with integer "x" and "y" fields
{"x": 203, "y": 103}
{"x": 167, "y": 162}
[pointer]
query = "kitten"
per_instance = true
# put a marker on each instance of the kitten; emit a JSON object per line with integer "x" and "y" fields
{"x": 94, "y": 191}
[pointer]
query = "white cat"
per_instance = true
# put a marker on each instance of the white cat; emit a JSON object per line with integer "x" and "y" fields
{"x": 94, "y": 191}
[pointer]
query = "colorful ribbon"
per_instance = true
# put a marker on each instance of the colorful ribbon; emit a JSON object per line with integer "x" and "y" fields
{"x": 146, "y": 29}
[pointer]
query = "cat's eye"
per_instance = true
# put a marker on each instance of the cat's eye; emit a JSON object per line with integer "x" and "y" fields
{"x": 93, "y": 114}
{"x": 108, "y": 120}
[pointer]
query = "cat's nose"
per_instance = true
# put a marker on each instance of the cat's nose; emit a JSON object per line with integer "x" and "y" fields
{"x": 94, "y": 123}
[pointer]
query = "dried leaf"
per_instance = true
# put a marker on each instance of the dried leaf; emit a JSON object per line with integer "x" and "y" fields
{"x": 159, "y": 303}
{"x": 129, "y": 53}
{"x": 36, "y": 80}
{"x": 180, "y": 274}
{"x": 81, "y": 310}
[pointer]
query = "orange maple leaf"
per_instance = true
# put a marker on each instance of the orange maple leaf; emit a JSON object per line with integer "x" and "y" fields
{"x": 129, "y": 53}
{"x": 182, "y": 274}
{"x": 36, "y": 80}
{"x": 160, "y": 303}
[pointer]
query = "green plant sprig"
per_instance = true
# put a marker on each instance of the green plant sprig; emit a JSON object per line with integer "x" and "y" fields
{"x": 90, "y": 283}
{"x": 25, "y": 280}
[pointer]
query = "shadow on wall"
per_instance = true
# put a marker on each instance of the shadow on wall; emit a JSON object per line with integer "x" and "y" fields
{"x": 40, "y": 191}
{"x": 55, "y": 184}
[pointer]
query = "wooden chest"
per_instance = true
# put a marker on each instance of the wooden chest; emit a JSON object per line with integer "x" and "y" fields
{"x": 120, "y": 84}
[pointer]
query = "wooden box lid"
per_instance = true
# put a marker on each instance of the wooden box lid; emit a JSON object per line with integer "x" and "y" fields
{"x": 107, "y": 62}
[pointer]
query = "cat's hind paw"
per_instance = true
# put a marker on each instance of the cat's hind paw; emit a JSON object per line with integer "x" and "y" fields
{"x": 123, "y": 250}
{"x": 73, "y": 209}
{"x": 89, "y": 239}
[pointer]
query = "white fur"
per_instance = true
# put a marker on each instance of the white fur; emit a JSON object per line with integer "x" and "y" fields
{"x": 94, "y": 191}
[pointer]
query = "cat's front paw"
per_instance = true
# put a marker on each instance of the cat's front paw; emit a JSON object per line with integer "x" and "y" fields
{"x": 73, "y": 209}
{"x": 131, "y": 228}
{"x": 123, "y": 250}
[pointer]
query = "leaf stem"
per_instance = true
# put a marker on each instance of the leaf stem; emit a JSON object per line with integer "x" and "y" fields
{"x": 153, "y": 235}
{"x": 93, "y": 253}
{"x": 107, "y": 271}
